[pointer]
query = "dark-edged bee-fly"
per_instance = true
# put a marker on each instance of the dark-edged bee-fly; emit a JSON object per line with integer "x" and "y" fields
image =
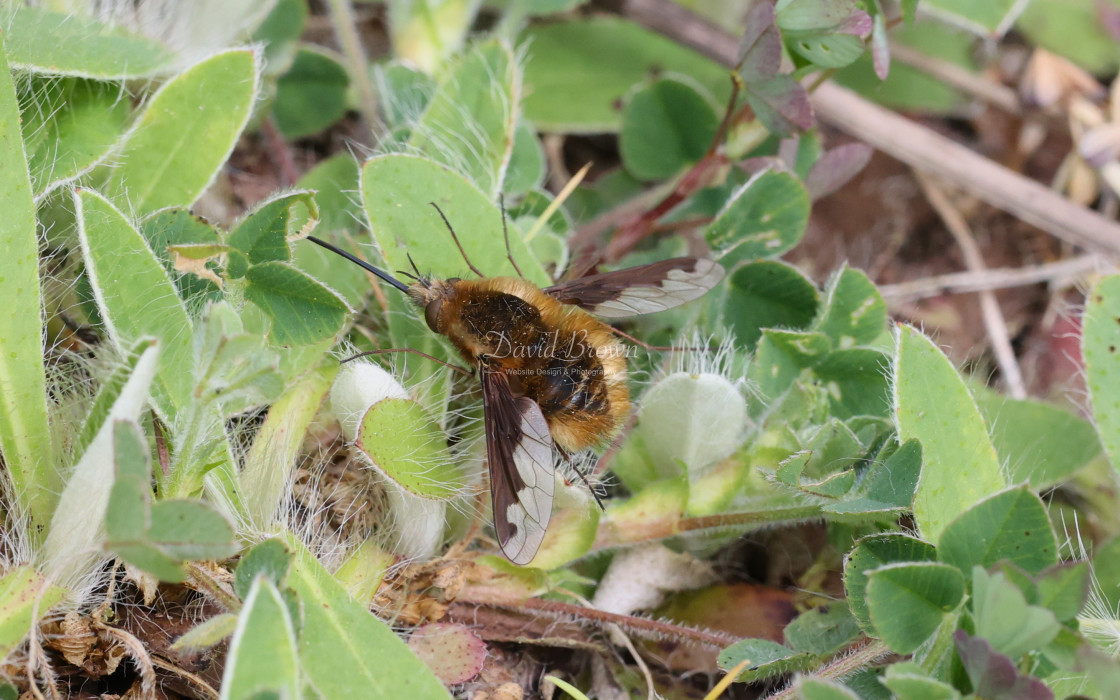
{"x": 552, "y": 374}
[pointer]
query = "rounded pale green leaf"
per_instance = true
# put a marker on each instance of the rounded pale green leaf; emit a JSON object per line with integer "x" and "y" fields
{"x": 907, "y": 87}
{"x": 1041, "y": 444}
{"x": 823, "y": 631}
{"x": 262, "y": 655}
{"x": 409, "y": 448}
{"x": 656, "y": 508}
{"x": 1012, "y": 525}
{"x": 179, "y": 227}
{"x": 135, "y": 297}
{"x": 854, "y": 311}
{"x": 763, "y": 219}
{"x": 1100, "y": 346}
{"x": 579, "y": 71}
{"x": 397, "y": 191}
{"x": 526, "y": 162}
{"x": 909, "y": 680}
{"x": 767, "y": 294}
{"x": 665, "y": 128}
{"x": 571, "y": 533}
{"x": 206, "y": 634}
{"x": 188, "y": 530}
{"x": 311, "y": 96}
{"x": 404, "y": 92}
{"x": 59, "y": 43}
{"x": 129, "y": 500}
{"x": 263, "y": 235}
{"x": 887, "y": 486}
{"x": 869, "y": 554}
{"x": 778, "y": 360}
{"x": 694, "y": 419}
{"x": 1003, "y": 616}
{"x": 279, "y": 33}
{"x": 809, "y": 688}
{"x": 69, "y": 125}
{"x": 470, "y": 119}
{"x": 270, "y": 559}
{"x": 826, "y": 50}
{"x": 1073, "y": 29}
{"x": 768, "y": 659}
{"x": 302, "y": 310}
{"x": 334, "y": 181}
{"x": 186, "y": 132}
{"x": 908, "y": 602}
{"x": 1063, "y": 589}
{"x": 932, "y": 404}
{"x": 857, "y": 382}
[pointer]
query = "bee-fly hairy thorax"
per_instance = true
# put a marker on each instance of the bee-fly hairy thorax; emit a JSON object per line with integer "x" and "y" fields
{"x": 551, "y": 373}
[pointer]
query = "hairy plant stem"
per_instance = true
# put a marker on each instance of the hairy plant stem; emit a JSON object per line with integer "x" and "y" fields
{"x": 640, "y": 626}
{"x": 611, "y": 537}
{"x": 842, "y": 666}
{"x": 206, "y": 583}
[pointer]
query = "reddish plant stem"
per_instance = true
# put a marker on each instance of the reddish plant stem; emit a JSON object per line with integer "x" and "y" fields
{"x": 280, "y": 152}
{"x": 704, "y": 173}
{"x": 631, "y": 233}
{"x": 653, "y": 629}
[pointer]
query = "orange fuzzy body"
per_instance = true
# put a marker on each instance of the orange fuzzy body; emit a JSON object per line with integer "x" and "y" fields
{"x": 564, "y": 359}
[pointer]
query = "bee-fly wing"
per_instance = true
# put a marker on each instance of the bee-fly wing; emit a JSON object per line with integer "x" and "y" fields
{"x": 640, "y": 290}
{"x": 519, "y": 454}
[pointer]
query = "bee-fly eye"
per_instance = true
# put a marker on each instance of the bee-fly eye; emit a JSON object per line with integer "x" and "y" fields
{"x": 431, "y": 314}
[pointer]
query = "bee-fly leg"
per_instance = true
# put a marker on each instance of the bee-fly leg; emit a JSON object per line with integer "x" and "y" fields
{"x": 591, "y": 489}
{"x": 455, "y": 238}
{"x": 647, "y": 346}
{"x": 457, "y": 368}
{"x": 505, "y": 233}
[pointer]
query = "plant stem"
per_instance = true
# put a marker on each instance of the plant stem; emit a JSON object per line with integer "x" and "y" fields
{"x": 611, "y": 537}
{"x": 345, "y": 30}
{"x": 842, "y": 666}
{"x": 206, "y": 583}
{"x": 641, "y": 626}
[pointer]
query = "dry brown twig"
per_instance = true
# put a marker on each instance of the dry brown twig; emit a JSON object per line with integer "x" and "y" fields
{"x": 994, "y": 321}
{"x": 1059, "y": 274}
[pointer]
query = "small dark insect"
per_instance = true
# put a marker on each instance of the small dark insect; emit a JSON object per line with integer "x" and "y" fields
{"x": 551, "y": 373}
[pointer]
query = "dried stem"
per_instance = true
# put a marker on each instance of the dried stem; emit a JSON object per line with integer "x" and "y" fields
{"x": 994, "y": 321}
{"x": 346, "y": 30}
{"x": 1061, "y": 272}
{"x": 205, "y": 688}
{"x": 993, "y": 93}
